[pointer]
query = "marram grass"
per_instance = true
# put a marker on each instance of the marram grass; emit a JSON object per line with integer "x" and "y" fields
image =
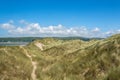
{"x": 63, "y": 60}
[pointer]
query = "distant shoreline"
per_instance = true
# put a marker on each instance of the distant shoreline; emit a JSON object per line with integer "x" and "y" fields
{"x": 13, "y": 43}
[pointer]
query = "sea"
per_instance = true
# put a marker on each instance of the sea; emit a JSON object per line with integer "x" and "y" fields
{"x": 13, "y": 43}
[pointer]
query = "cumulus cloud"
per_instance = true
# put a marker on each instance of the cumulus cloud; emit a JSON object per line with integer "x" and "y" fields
{"x": 96, "y": 29}
{"x": 111, "y": 32}
{"x": 11, "y": 21}
{"x": 34, "y": 29}
{"x": 7, "y": 26}
{"x": 23, "y": 22}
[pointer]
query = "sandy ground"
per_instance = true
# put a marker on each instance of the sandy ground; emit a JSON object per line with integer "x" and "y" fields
{"x": 39, "y": 45}
{"x": 34, "y": 64}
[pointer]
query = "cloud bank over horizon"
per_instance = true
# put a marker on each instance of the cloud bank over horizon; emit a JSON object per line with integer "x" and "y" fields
{"x": 25, "y": 29}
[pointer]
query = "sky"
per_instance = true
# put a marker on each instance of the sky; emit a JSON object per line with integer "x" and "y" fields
{"x": 61, "y": 18}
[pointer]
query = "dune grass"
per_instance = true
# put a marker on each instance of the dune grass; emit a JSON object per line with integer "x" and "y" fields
{"x": 63, "y": 60}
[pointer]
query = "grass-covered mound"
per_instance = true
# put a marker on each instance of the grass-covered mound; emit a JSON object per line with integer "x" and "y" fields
{"x": 63, "y": 60}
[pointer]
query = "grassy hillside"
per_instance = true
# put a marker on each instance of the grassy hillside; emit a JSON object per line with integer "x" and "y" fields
{"x": 14, "y": 64}
{"x": 62, "y": 60}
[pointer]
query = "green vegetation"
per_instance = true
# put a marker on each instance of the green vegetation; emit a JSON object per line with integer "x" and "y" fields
{"x": 63, "y": 59}
{"x": 14, "y": 64}
{"x": 29, "y": 39}
{"x": 18, "y": 39}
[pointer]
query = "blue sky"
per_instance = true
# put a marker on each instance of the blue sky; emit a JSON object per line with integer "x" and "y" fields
{"x": 87, "y": 18}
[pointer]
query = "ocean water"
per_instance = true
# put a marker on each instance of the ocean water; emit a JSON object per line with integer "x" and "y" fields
{"x": 13, "y": 43}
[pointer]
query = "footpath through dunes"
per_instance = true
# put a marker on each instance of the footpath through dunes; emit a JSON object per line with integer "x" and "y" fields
{"x": 62, "y": 60}
{"x": 34, "y": 63}
{"x": 76, "y": 60}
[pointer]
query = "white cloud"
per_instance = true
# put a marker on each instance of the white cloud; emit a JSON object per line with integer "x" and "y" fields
{"x": 11, "y": 21}
{"x": 96, "y": 29}
{"x": 111, "y": 32}
{"x": 23, "y": 22}
{"x": 118, "y": 31}
{"x": 7, "y": 26}
{"x": 34, "y": 29}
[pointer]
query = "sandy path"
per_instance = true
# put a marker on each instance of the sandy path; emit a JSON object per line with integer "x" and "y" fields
{"x": 39, "y": 45}
{"x": 34, "y": 64}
